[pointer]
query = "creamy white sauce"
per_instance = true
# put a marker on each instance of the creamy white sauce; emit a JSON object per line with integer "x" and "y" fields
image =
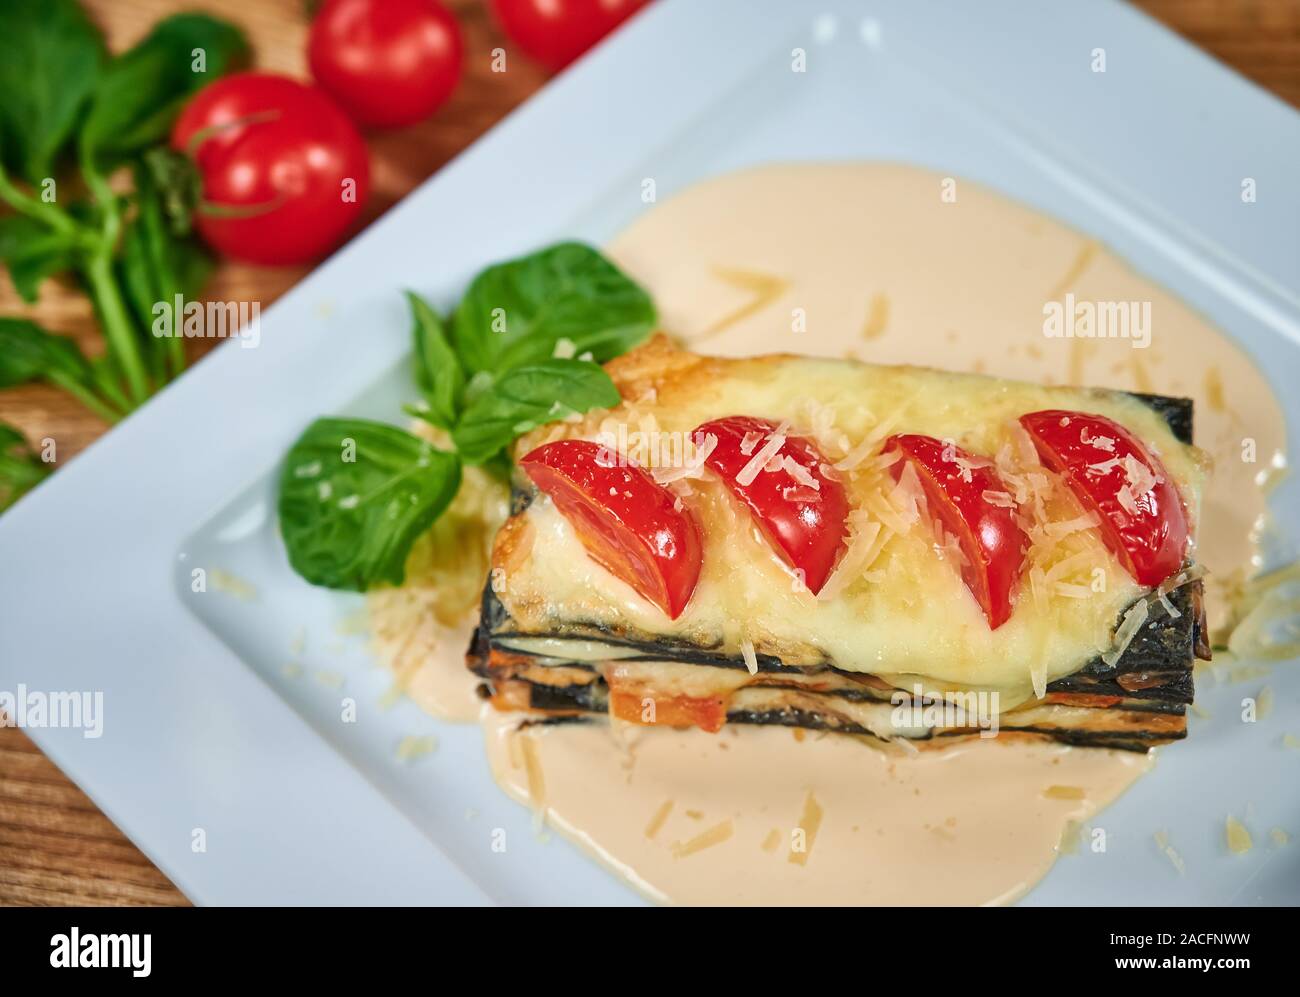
{"x": 978, "y": 823}
{"x": 867, "y": 261}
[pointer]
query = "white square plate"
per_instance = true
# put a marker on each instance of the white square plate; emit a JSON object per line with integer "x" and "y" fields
{"x": 201, "y": 728}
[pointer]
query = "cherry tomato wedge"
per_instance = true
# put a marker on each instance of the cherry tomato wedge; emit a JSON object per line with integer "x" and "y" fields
{"x": 1143, "y": 520}
{"x": 627, "y": 522}
{"x": 802, "y": 512}
{"x": 956, "y": 487}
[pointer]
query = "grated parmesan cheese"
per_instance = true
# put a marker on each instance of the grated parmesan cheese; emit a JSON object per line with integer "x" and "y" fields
{"x": 231, "y": 584}
{"x": 1139, "y": 477}
{"x": 690, "y": 468}
{"x": 1170, "y": 608}
{"x": 858, "y": 454}
{"x": 657, "y": 821}
{"x": 861, "y": 549}
{"x": 800, "y": 474}
{"x": 1263, "y": 702}
{"x": 1102, "y": 467}
{"x": 1238, "y": 838}
{"x": 1071, "y": 591}
{"x": 809, "y": 822}
{"x": 1128, "y": 628}
{"x": 1038, "y": 676}
{"x": 756, "y": 463}
{"x": 1162, "y": 842}
{"x": 1098, "y": 442}
{"x": 715, "y": 835}
{"x": 907, "y": 496}
{"x": 411, "y": 747}
{"x": 1066, "y": 566}
{"x": 1065, "y": 527}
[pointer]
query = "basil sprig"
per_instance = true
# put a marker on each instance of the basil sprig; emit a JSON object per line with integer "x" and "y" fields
{"x": 70, "y": 115}
{"x": 501, "y": 366}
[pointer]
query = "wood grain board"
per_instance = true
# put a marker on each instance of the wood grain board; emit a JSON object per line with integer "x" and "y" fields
{"x": 56, "y": 847}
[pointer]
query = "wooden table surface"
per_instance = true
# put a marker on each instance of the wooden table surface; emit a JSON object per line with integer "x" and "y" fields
{"x": 55, "y": 845}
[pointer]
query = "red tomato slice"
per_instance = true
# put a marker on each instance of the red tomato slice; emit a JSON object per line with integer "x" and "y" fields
{"x": 1143, "y": 520}
{"x": 627, "y": 522}
{"x": 994, "y": 546}
{"x": 804, "y": 522}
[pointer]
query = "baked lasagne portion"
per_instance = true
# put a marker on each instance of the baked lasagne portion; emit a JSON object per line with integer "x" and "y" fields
{"x": 839, "y": 546}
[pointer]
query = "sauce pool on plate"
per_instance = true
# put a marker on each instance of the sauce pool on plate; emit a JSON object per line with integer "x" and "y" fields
{"x": 867, "y": 261}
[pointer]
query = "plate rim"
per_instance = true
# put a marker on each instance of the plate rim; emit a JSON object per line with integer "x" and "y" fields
{"x": 302, "y": 806}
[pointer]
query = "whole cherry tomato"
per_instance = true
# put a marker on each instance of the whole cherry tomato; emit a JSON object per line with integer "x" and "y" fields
{"x": 284, "y": 172}
{"x": 555, "y": 32}
{"x": 387, "y": 62}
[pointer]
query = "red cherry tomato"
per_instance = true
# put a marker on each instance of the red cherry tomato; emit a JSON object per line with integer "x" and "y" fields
{"x": 284, "y": 172}
{"x": 955, "y": 484}
{"x": 555, "y": 32}
{"x": 805, "y": 523}
{"x": 1143, "y": 520}
{"x": 387, "y": 62}
{"x": 628, "y": 523}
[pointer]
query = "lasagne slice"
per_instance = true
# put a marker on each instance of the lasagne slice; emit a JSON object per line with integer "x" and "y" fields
{"x": 893, "y": 630}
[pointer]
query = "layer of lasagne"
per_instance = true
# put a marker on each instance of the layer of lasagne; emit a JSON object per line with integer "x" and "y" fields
{"x": 1087, "y": 655}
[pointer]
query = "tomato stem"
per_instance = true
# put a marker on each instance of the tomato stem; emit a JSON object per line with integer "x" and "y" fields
{"x": 203, "y": 134}
{"x": 216, "y": 209}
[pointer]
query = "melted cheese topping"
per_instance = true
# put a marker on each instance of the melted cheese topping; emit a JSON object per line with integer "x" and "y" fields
{"x": 904, "y": 613}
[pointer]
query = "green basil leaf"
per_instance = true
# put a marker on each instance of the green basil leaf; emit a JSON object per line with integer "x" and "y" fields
{"x": 141, "y": 92}
{"x": 52, "y": 58}
{"x": 526, "y": 397}
{"x": 33, "y": 252}
{"x": 29, "y": 353}
{"x": 437, "y": 369}
{"x": 514, "y": 313}
{"x": 350, "y": 523}
{"x": 20, "y": 469}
